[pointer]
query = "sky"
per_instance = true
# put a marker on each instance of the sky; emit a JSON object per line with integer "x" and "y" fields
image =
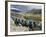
{"x": 24, "y": 7}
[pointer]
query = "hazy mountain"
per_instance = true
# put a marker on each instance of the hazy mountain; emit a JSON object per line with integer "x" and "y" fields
{"x": 15, "y": 10}
{"x": 23, "y": 8}
{"x": 35, "y": 11}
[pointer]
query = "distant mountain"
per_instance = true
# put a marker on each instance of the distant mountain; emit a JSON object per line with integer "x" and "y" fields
{"x": 35, "y": 11}
{"x": 15, "y": 10}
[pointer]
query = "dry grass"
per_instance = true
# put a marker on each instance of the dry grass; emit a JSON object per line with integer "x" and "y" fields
{"x": 37, "y": 17}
